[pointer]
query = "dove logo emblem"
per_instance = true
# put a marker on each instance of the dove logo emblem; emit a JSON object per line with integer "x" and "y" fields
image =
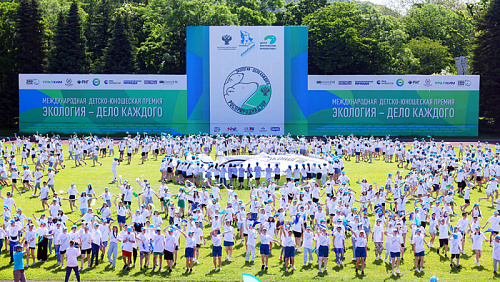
{"x": 247, "y": 90}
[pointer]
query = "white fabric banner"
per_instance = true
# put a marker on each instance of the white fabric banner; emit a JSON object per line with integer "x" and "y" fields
{"x": 264, "y": 159}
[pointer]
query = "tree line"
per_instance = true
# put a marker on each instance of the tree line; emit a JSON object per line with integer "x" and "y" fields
{"x": 149, "y": 37}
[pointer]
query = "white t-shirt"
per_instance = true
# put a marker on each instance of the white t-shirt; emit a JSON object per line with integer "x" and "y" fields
{"x": 72, "y": 255}
{"x": 252, "y": 235}
{"x": 339, "y": 239}
{"x": 378, "y": 232}
{"x": 418, "y": 240}
{"x": 495, "y": 223}
{"x": 128, "y": 246}
{"x": 443, "y": 231}
{"x": 477, "y": 241}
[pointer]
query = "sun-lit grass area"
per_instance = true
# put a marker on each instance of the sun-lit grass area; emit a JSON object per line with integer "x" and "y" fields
{"x": 100, "y": 177}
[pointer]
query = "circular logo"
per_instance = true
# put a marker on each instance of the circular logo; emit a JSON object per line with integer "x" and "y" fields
{"x": 247, "y": 90}
{"x": 400, "y": 82}
{"x": 96, "y": 82}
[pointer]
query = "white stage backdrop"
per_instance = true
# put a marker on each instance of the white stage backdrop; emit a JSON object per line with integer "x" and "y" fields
{"x": 246, "y": 79}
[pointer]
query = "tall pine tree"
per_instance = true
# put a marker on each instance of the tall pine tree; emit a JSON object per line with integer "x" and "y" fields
{"x": 68, "y": 54}
{"x": 57, "y": 54}
{"x": 8, "y": 76}
{"x": 486, "y": 61}
{"x": 30, "y": 46}
{"x": 97, "y": 32}
{"x": 118, "y": 57}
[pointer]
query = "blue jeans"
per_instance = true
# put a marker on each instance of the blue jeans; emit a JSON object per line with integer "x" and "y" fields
{"x": 306, "y": 252}
{"x": 58, "y": 255}
{"x": 113, "y": 251}
{"x": 339, "y": 253}
{"x": 222, "y": 179}
{"x": 68, "y": 273}
{"x": 11, "y": 249}
{"x": 50, "y": 245}
{"x": 353, "y": 247}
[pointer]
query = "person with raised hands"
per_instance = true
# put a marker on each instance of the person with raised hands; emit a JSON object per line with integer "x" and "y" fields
{"x": 216, "y": 238}
{"x": 189, "y": 250}
{"x": 265, "y": 240}
{"x": 477, "y": 238}
{"x": 360, "y": 251}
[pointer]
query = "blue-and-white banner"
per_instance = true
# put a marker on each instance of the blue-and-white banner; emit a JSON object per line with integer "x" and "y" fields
{"x": 247, "y": 79}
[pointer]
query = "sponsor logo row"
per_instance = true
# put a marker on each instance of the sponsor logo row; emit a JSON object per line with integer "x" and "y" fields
{"x": 247, "y": 43}
{"x": 399, "y": 82}
{"x": 97, "y": 82}
{"x": 246, "y": 129}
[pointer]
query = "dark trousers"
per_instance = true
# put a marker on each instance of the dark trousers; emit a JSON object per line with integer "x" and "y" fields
{"x": 68, "y": 273}
{"x": 95, "y": 254}
{"x": 42, "y": 249}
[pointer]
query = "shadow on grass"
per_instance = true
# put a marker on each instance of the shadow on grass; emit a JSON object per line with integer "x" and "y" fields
{"x": 393, "y": 278}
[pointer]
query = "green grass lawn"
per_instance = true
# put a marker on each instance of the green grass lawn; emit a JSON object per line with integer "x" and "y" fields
{"x": 101, "y": 176}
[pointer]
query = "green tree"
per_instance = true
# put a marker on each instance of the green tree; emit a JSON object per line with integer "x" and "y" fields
{"x": 97, "y": 32}
{"x": 438, "y": 23}
{"x": 68, "y": 53}
{"x": 341, "y": 42}
{"x": 486, "y": 60}
{"x": 50, "y": 10}
{"x": 164, "y": 51}
{"x": 433, "y": 56}
{"x": 57, "y": 54}
{"x": 255, "y": 12}
{"x": 295, "y": 12}
{"x": 8, "y": 76}
{"x": 118, "y": 57}
{"x": 30, "y": 39}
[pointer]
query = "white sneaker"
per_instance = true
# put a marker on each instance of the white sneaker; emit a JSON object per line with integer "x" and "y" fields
{"x": 286, "y": 270}
{"x": 393, "y": 273}
{"x": 397, "y": 271}
{"x": 421, "y": 270}
{"x": 293, "y": 267}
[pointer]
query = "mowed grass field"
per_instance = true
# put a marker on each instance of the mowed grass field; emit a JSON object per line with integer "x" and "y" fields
{"x": 100, "y": 177}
